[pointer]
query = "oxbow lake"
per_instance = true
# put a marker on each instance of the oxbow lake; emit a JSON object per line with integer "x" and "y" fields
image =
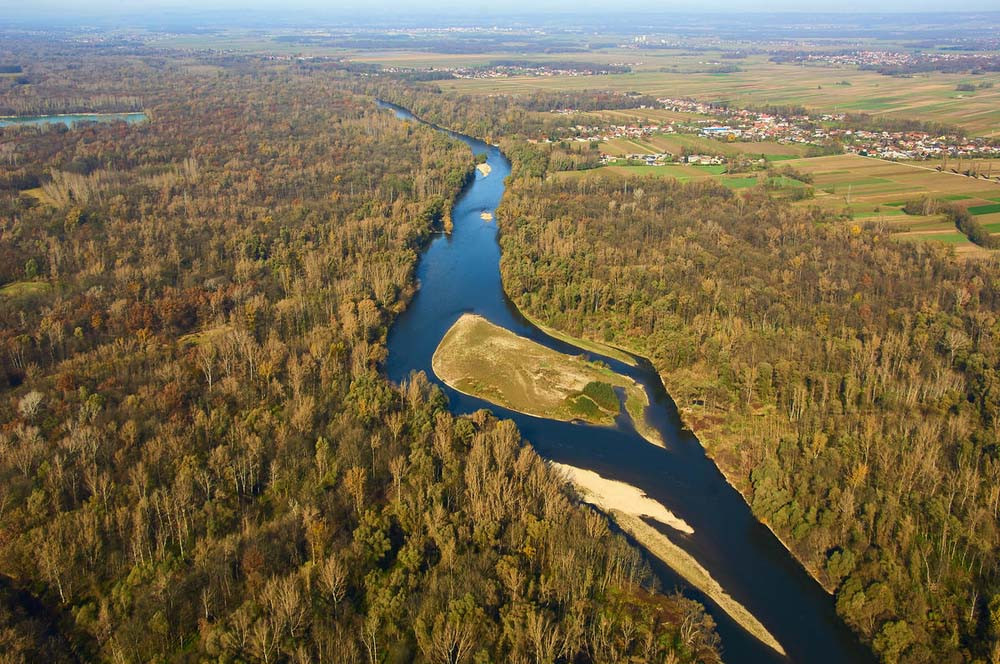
{"x": 72, "y": 118}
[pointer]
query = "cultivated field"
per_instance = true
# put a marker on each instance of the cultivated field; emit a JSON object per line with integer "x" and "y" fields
{"x": 676, "y": 143}
{"x": 874, "y": 189}
{"x": 930, "y": 96}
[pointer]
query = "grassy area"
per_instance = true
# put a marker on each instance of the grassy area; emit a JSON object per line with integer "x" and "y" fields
{"x": 953, "y": 237}
{"x": 683, "y": 173}
{"x": 676, "y": 143}
{"x": 19, "y": 289}
{"x": 586, "y": 344}
{"x": 484, "y": 360}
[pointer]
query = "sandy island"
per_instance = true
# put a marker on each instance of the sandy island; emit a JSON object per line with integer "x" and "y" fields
{"x": 484, "y": 169}
{"x": 486, "y": 216}
{"x": 486, "y": 361}
{"x": 614, "y": 495}
{"x": 626, "y": 505}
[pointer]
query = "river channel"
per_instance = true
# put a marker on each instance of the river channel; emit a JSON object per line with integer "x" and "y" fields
{"x": 460, "y": 273}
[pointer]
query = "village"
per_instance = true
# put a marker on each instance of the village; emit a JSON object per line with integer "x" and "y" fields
{"x": 831, "y": 131}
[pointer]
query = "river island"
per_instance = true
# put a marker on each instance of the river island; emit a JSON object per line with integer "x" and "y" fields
{"x": 492, "y": 363}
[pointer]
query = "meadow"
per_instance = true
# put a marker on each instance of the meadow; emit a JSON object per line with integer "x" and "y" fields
{"x": 693, "y": 143}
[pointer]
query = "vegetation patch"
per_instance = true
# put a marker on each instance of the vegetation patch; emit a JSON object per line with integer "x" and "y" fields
{"x": 603, "y": 395}
{"x": 24, "y": 289}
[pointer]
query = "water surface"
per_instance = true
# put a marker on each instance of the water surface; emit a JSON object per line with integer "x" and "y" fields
{"x": 70, "y": 119}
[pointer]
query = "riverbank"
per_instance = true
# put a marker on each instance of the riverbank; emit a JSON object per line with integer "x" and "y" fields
{"x": 460, "y": 275}
{"x": 703, "y": 434}
{"x": 711, "y": 439}
{"x": 586, "y": 344}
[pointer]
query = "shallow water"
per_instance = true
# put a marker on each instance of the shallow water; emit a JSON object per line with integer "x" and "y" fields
{"x": 70, "y": 119}
{"x": 460, "y": 273}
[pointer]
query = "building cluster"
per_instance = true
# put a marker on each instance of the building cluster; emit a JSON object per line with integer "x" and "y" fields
{"x": 745, "y": 125}
{"x": 891, "y": 60}
{"x": 751, "y": 126}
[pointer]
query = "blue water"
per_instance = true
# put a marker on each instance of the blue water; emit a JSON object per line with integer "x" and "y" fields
{"x": 70, "y": 119}
{"x": 460, "y": 273}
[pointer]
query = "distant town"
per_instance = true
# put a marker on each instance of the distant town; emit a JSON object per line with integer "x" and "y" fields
{"x": 832, "y": 131}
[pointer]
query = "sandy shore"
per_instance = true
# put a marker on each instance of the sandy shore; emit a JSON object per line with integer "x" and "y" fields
{"x": 614, "y": 495}
{"x": 687, "y": 567}
{"x": 627, "y": 505}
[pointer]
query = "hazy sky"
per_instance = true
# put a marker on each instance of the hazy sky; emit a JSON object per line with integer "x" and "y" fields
{"x": 495, "y": 7}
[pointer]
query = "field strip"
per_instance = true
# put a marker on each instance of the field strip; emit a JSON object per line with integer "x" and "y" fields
{"x": 928, "y": 168}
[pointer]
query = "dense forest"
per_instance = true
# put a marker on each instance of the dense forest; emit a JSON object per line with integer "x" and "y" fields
{"x": 848, "y": 385}
{"x": 199, "y": 459}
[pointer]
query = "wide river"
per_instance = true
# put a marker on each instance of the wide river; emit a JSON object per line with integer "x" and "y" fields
{"x": 460, "y": 273}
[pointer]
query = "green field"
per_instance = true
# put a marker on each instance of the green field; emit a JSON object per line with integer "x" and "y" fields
{"x": 984, "y": 209}
{"x": 863, "y": 188}
{"x": 676, "y": 143}
{"x": 18, "y": 289}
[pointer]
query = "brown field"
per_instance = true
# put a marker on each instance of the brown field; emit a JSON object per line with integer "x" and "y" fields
{"x": 645, "y": 115}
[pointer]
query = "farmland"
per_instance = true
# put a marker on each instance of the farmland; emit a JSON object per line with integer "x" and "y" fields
{"x": 876, "y": 190}
{"x": 863, "y": 188}
{"x": 931, "y": 97}
{"x": 677, "y": 143}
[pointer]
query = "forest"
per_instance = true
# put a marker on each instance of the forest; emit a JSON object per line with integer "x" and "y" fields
{"x": 199, "y": 458}
{"x": 845, "y": 383}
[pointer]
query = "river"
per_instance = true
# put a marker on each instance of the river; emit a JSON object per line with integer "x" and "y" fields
{"x": 460, "y": 273}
